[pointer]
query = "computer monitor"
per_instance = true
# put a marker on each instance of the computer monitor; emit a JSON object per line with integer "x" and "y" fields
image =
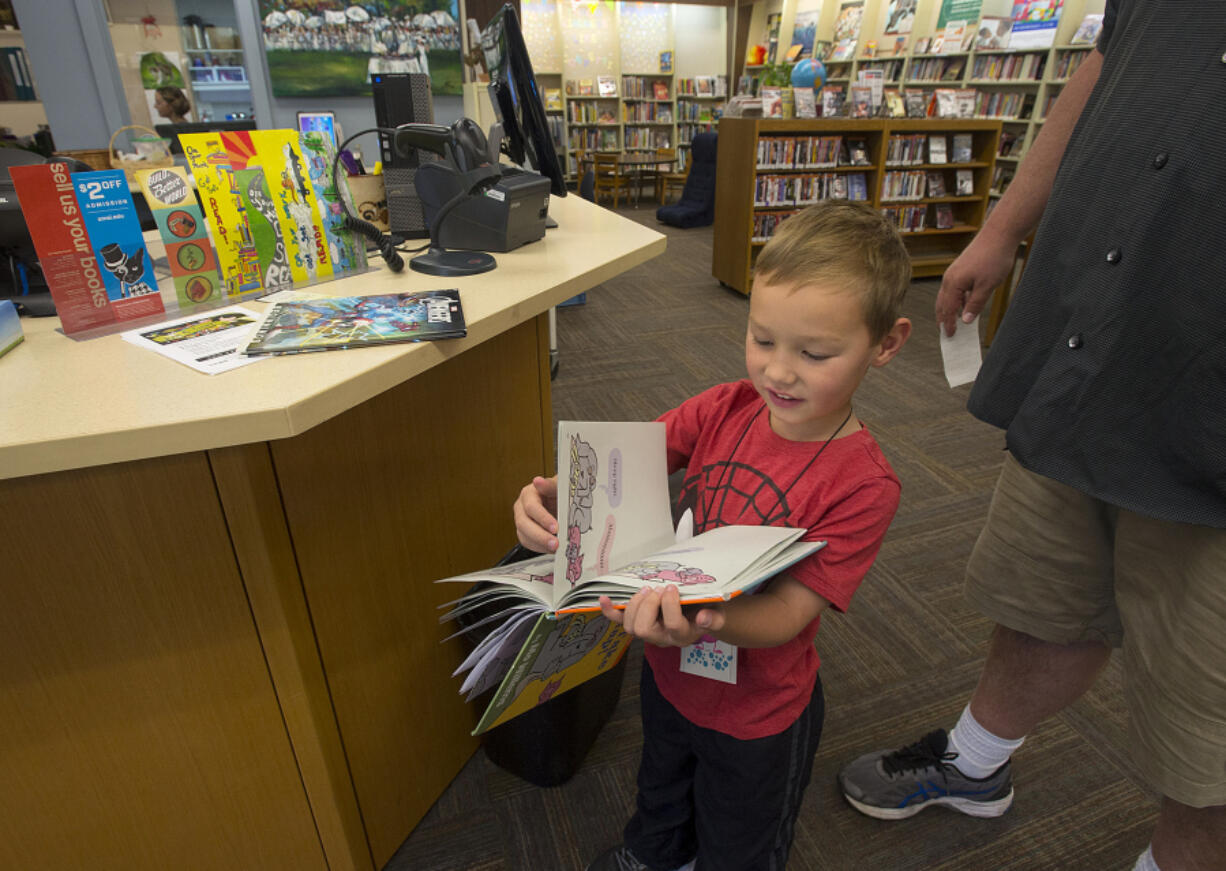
{"x": 321, "y": 122}
{"x": 172, "y": 131}
{"x": 517, "y": 100}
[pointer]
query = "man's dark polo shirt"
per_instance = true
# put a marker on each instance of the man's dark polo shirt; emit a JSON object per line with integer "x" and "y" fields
{"x": 1109, "y": 370}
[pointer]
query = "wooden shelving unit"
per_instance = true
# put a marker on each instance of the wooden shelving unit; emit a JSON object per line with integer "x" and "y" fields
{"x": 739, "y": 172}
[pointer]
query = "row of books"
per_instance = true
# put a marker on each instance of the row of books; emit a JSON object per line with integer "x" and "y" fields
{"x": 1011, "y": 104}
{"x": 774, "y": 191}
{"x": 903, "y": 149}
{"x": 908, "y": 219}
{"x": 592, "y": 139}
{"x": 703, "y": 86}
{"x": 687, "y": 132}
{"x": 589, "y": 113}
{"x": 646, "y": 137}
{"x": 641, "y": 88}
{"x": 1009, "y": 67}
{"x": 1067, "y": 63}
{"x": 601, "y": 86}
{"x": 811, "y": 152}
{"x": 690, "y": 111}
{"x": 915, "y": 184}
{"x": 937, "y": 69}
{"x": 657, "y": 113}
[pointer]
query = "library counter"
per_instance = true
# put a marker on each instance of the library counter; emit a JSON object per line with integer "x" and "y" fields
{"x": 220, "y": 644}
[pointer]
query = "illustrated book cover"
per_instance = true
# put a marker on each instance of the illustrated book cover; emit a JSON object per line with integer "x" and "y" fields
{"x": 89, "y": 244}
{"x": 337, "y": 323}
{"x": 616, "y": 537}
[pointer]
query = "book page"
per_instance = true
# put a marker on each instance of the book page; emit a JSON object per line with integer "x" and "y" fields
{"x": 612, "y": 498}
{"x": 715, "y": 564}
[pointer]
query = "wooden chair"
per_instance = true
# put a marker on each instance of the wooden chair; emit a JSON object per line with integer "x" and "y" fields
{"x": 671, "y": 180}
{"x": 608, "y": 177}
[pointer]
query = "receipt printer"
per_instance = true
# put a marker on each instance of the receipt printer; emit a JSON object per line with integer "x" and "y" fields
{"x": 499, "y": 218}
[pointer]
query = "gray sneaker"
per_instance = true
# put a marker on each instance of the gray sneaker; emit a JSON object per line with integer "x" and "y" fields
{"x": 894, "y": 785}
{"x": 617, "y": 859}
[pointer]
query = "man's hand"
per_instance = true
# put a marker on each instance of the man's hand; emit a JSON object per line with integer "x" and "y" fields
{"x": 656, "y": 616}
{"x": 970, "y": 280}
{"x": 536, "y": 525}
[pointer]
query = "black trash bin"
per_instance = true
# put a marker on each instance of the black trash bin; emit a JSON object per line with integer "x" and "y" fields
{"x": 546, "y": 745}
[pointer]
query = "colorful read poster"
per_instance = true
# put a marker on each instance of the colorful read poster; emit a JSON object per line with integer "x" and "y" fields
{"x": 347, "y": 250}
{"x": 193, "y": 268}
{"x": 1035, "y": 23}
{"x": 224, "y": 212}
{"x": 89, "y": 244}
{"x": 289, "y": 183}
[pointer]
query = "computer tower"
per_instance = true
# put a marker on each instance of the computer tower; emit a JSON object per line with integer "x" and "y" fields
{"x": 402, "y": 98}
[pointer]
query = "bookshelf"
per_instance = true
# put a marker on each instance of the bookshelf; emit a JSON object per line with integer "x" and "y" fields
{"x": 769, "y": 168}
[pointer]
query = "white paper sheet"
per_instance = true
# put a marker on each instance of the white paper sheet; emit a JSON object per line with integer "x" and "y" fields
{"x": 209, "y": 342}
{"x": 961, "y": 353}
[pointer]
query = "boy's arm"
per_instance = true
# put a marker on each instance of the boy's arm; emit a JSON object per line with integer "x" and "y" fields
{"x": 772, "y": 617}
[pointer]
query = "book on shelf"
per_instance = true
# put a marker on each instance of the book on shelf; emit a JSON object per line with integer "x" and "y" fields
{"x": 921, "y": 45}
{"x": 964, "y": 183}
{"x": 936, "y": 148}
{"x": 844, "y": 49}
{"x": 861, "y": 99}
{"x": 870, "y": 49}
{"x": 1088, "y": 30}
{"x": 772, "y": 102}
{"x": 964, "y": 102}
{"x": 617, "y": 537}
{"x": 704, "y": 86}
{"x": 569, "y": 85}
{"x": 857, "y": 186}
{"x": 857, "y": 152}
{"x": 937, "y": 46}
{"x": 875, "y": 79}
{"x": 916, "y": 102}
{"x": 832, "y": 101}
{"x": 821, "y": 48}
{"x": 666, "y": 61}
{"x": 936, "y": 183}
{"x": 806, "y": 102}
{"x": 993, "y": 33}
{"x": 900, "y": 46}
{"x": 553, "y": 98}
{"x": 839, "y": 189}
{"x": 794, "y": 52}
{"x": 337, "y": 323}
{"x": 963, "y": 151}
{"x": 946, "y": 103}
{"x": 606, "y": 86}
{"x": 659, "y": 90}
{"x": 895, "y": 107}
{"x": 586, "y": 88}
{"x": 944, "y": 216}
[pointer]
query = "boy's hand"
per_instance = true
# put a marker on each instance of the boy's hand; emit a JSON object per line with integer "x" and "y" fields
{"x": 656, "y": 616}
{"x": 535, "y": 523}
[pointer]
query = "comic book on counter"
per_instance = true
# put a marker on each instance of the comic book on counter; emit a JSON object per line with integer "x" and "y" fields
{"x": 544, "y": 630}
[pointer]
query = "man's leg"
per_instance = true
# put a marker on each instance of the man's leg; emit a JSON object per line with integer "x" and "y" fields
{"x": 1190, "y": 839}
{"x": 1026, "y": 680}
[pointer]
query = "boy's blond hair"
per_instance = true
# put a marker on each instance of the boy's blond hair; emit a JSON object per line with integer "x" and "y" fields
{"x": 844, "y": 243}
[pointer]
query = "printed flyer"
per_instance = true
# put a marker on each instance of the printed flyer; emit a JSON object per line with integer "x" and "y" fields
{"x": 88, "y": 238}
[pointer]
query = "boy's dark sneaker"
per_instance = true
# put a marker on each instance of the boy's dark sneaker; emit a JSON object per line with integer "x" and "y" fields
{"x": 617, "y": 859}
{"x": 894, "y": 785}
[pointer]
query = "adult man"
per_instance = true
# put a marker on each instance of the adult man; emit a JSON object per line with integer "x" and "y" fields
{"x": 1108, "y": 525}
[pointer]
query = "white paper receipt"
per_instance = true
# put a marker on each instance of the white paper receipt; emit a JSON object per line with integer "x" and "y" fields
{"x": 961, "y": 353}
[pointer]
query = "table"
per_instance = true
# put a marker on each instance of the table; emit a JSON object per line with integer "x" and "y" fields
{"x": 639, "y": 163}
{"x": 220, "y": 641}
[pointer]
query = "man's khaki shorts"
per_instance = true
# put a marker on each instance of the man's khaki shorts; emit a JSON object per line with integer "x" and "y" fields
{"x": 1062, "y": 566}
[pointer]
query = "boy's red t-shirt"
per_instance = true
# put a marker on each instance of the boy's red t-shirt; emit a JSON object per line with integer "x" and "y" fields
{"x": 738, "y": 471}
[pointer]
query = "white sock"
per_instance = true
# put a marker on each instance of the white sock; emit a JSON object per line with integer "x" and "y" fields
{"x": 1145, "y": 862}
{"x": 980, "y": 752}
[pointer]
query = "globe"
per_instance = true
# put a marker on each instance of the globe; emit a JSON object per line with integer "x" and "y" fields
{"x": 809, "y": 73}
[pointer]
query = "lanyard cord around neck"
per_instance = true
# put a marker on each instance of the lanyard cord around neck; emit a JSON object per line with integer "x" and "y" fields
{"x": 781, "y": 500}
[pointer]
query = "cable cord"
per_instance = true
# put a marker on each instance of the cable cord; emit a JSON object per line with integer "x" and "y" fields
{"x": 385, "y": 244}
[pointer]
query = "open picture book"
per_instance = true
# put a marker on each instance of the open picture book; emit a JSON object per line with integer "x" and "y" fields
{"x": 544, "y": 630}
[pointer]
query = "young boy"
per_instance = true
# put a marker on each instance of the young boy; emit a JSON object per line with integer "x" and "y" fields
{"x": 727, "y": 756}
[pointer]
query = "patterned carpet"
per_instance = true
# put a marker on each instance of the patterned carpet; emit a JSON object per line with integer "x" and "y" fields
{"x": 903, "y": 659}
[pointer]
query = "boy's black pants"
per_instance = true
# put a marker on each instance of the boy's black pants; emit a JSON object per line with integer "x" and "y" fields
{"x": 732, "y": 803}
